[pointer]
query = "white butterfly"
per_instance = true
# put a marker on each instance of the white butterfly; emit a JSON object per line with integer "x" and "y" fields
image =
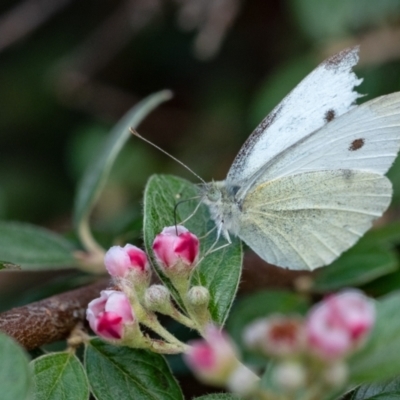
{"x": 309, "y": 181}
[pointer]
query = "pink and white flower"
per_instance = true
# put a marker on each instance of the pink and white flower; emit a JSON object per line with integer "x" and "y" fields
{"x": 176, "y": 248}
{"x": 120, "y": 261}
{"x": 109, "y": 314}
{"x": 212, "y": 360}
{"x": 277, "y": 335}
{"x": 337, "y": 325}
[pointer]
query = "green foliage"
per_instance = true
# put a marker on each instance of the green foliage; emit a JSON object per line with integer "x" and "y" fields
{"x": 129, "y": 374}
{"x": 379, "y": 359}
{"x": 388, "y": 390}
{"x": 34, "y": 248}
{"x": 93, "y": 181}
{"x": 219, "y": 271}
{"x": 15, "y": 374}
{"x": 59, "y": 376}
{"x": 337, "y": 18}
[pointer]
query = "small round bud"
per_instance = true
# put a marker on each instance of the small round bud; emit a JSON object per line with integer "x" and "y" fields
{"x": 242, "y": 381}
{"x": 157, "y": 298}
{"x": 198, "y": 296}
{"x": 290, "y": 376}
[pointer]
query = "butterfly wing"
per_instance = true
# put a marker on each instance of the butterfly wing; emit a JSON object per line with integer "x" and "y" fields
{"x": 326, "y": 93}
{"x": 365, "y": 138}
{"x": 307, "y": 220}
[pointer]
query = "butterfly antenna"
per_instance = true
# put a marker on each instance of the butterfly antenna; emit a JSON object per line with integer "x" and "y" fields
{"x": 135, "y": 133}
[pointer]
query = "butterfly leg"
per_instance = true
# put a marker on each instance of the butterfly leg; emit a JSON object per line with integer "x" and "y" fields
{"x": 193, "y": 213}
{"x": 225, "y": 234}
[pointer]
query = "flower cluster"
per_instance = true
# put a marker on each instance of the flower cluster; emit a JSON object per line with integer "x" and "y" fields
{"x": 116, "y": 314}
{"x": 301, "y": 350}
{"x": 316, "y": 345}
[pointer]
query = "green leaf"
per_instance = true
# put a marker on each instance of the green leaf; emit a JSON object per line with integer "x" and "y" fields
{"x": 332, "y": 19}
{"x": 95, "y": 177}
{"x": 359, "y": 265}
{"x": 15, "y": 374}
{"x": 34, "y": 248}
{"x": 379, "y": 359}
{"x": 219, "y": 271}
{"x": 384, "y": 285}
{"x": 129, "y": 374}
{"x": 218, "y": 396}
{"x": 389, "y": 390}
{"x": 59, "y": 376}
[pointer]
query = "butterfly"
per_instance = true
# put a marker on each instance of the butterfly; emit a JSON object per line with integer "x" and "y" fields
{"x": 309, "y": 181}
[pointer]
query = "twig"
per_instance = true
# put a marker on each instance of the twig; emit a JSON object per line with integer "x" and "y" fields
{"x": 51, "y": 319}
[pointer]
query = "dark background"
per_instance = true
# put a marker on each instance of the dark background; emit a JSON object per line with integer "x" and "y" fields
{"x": 70, "y": 69}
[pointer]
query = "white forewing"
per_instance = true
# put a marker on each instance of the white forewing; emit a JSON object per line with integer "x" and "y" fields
{"x": 366, "y": 138}
{"x": 307, "y": 220}
{"x": 325, "y": 93}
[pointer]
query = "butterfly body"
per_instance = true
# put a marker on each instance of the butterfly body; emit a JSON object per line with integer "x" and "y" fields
{"x": 309, "y": 181}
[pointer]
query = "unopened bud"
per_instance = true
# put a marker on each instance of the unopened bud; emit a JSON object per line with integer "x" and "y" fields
{"x": 278, "y": 335}
{"x": 119, "y": 261}
{"x": 110, "y": 315}
{"x": 158, "y": 298}
{"x": 176, "y": 249}
{"x": 339, "y": 324}
{"x": 198, "y": 296}
{"x": 289, "y": 376}
{"x": 242, "y": 381}
{"x": 212, "y": 360}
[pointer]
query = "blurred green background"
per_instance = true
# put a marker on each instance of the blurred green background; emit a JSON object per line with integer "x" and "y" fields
{"x": 69, "y": 70}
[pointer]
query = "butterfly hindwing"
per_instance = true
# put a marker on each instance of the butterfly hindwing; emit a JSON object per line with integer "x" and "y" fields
{"x": 307, "y": 220}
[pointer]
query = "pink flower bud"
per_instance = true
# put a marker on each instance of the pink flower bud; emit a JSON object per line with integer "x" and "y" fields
{"x": 176, "y": 247}
{"x": 213, "y": 359}
{"x": 277, "y": 335}
{"x": 339, "y": 323}
{"x": 119, "y": 261}
{"x": 108, "y": 314}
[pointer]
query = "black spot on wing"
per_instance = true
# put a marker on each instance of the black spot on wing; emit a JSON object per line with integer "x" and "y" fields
{"x": 329, "y": 115}
{"x": 356, "y": 144}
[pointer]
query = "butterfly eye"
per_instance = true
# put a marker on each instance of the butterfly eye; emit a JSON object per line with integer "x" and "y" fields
{"x": 213, "y": 195}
